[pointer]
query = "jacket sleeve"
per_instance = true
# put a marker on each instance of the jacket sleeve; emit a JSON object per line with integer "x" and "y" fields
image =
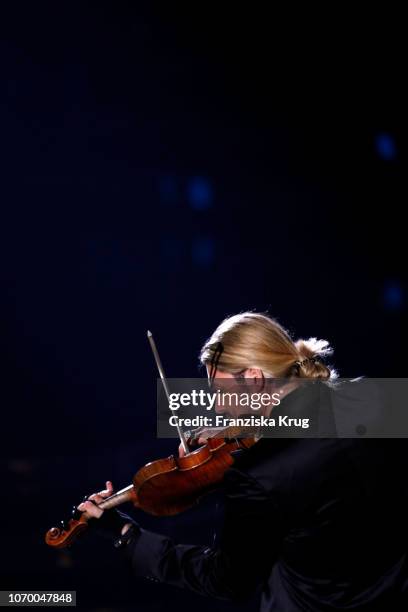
{"x": 248, "y": 546}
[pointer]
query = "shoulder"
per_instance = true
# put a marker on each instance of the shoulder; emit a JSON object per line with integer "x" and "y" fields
{"x": 283, "y": 464}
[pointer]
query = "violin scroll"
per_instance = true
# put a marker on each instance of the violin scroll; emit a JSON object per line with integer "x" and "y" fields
{"x": 68, "y": 531}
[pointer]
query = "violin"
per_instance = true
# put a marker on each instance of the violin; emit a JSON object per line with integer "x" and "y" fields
{"x": 167, "y": 486}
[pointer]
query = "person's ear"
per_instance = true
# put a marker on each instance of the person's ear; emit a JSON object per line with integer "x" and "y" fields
{"x": 253, "y": 373}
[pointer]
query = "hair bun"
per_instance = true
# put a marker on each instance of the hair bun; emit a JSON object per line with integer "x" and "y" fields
{"x": 311, "y": 354}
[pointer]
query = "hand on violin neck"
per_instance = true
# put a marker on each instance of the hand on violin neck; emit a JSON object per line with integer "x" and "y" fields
{"x": 90, "y": 506}
{"x": 110, "y": 523}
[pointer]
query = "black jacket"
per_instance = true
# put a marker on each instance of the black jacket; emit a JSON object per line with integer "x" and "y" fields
{"x": 316, "y": 524}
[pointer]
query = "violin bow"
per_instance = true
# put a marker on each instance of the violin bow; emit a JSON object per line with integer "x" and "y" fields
{"x": 166, "y": 388}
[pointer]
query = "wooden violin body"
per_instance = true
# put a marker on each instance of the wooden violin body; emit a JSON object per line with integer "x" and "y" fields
{"x": 170, "y": 486}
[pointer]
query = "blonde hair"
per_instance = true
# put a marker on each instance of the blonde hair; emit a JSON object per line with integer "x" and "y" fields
{"x": 255, "y": 340}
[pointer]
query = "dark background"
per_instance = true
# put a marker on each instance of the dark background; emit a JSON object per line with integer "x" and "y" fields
{"x": 162, "y": 167}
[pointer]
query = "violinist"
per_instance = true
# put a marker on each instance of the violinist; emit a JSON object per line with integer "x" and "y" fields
{"x": 313, "y": 524}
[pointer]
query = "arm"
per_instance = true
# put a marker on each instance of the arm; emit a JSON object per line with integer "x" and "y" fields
{"x": 249, "y": 545}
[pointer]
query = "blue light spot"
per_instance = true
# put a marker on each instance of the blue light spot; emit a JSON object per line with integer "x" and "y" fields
{"x": 393, "y": 296}
{"x": 203, "y": 251}
{"x": 385, "y": 146}
{"x": 200, "y": 193}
